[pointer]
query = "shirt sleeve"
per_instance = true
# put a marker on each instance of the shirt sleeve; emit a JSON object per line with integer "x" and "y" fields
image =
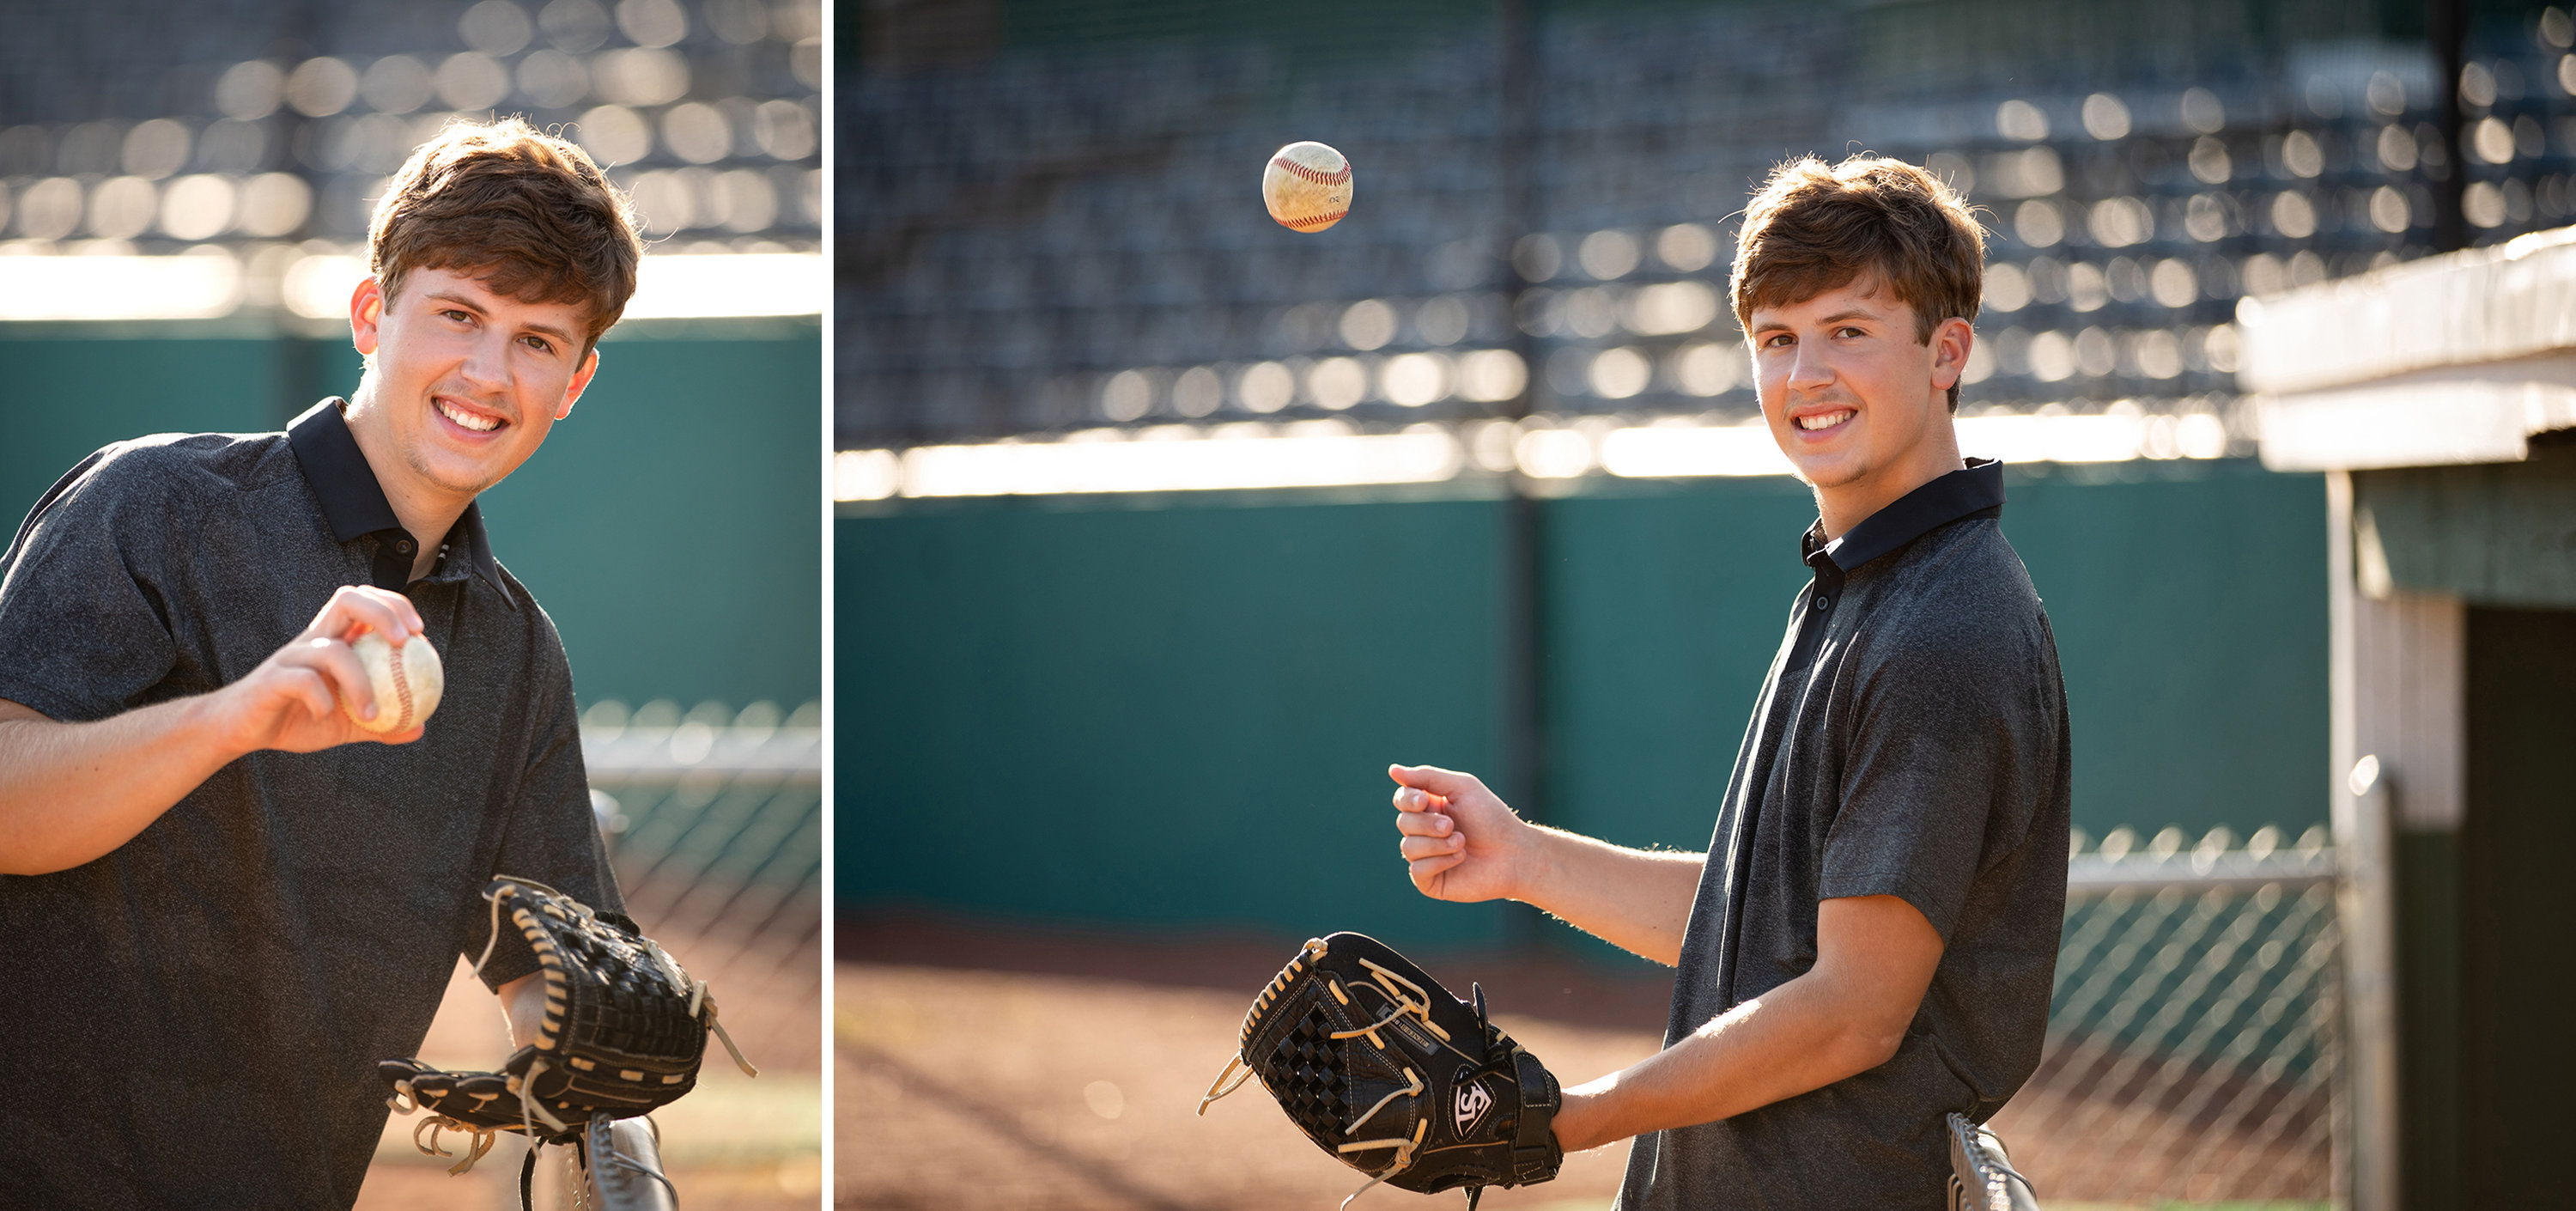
{"x": 553, "y": 835}
{"x": 82, "y": 593}
{"x": 1951, "y": 754}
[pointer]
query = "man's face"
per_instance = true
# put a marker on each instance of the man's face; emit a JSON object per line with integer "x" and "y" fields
{"x": 1850, "y": 395}
{"x": 463, "y": 383}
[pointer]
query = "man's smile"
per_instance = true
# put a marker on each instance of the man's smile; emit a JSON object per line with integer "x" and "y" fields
{"x": 467, "y": 417}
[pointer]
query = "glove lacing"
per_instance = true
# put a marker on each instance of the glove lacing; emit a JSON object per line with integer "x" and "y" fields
{"x": 484, "y": 1137}
{"x": 1405, "y": 999}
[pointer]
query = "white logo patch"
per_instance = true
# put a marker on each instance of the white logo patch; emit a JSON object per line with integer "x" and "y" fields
{"x": 1473, "y": 1101}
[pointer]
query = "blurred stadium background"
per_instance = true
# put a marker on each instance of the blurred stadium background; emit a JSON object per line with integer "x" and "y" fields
{"x": 183, "y": 201}
{"x": 1163, "y": 529}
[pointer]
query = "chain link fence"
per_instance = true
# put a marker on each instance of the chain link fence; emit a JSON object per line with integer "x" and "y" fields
{"x": 714, "y": 821}
{"x": 2194, "y": 1046}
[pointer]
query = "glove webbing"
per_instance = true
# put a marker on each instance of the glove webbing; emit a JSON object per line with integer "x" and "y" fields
{"x": 1405, "y": 998}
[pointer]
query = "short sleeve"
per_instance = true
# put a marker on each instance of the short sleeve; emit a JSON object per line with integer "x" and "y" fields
{"x": 553, "y": 835}
{"x": 82, "y": 591}
{"x": 1951, "y": 755}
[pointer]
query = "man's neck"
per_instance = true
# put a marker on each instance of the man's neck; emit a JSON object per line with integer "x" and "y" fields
{"x": 1846, "y": 505}
{"x": 424, "y": 510}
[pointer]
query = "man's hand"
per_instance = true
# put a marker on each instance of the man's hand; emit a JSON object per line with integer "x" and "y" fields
{"x": 70, "y": 793}
{"x": 1460, "y": 841}
{"x": 292, "y": 700}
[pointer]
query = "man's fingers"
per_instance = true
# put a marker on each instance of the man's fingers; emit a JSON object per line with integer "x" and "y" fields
{"x": 1425, "y": 824}
{"x": 1424, "y": 868}
{"x": 339, "y": 667}
{"x": 1408, "y": 799}
{"x": 309, "y": 689}
{"x": 1447, "y": 784}
{"x": 1431, "y": 847}
{"x": 357, "y": 607}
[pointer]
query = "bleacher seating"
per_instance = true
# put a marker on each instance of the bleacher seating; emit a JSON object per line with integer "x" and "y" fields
{"x": 263, "y": 131}
{"x": 1019, "y": 232}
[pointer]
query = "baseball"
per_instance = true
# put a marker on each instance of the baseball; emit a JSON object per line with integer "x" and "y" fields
{"x": 1307, "y": 186}
{"x": 407, "y": 681}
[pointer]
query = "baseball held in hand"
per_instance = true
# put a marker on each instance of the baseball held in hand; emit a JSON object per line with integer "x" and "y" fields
{"x": 407, "y": 681}
{"x": 1307, "y": 186}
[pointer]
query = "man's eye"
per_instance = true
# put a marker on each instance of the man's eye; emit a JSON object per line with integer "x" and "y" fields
{"x": 539, "y": 344}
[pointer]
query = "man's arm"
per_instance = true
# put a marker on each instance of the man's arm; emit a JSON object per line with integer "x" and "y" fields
{"x": 1874, "y": 959}
{"x": 1463, "y": 843}
{"x": 72, "y": 792}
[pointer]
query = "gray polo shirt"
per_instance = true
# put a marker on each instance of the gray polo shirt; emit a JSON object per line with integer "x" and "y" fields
{"x": 1911, "y": 740}
{"x": 199, "y": 1013}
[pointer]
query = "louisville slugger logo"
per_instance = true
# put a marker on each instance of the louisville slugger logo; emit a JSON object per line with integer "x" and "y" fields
{"x": 1473, "y": 1101}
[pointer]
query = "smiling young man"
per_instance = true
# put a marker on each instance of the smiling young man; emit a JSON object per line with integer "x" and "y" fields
{"x": 224, "y": 901}
{"x": 1869, "y": 943}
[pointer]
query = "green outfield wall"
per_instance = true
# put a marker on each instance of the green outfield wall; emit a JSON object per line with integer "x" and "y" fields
{"x": 671, "y": 526}
{"x": 1174, "y": 714}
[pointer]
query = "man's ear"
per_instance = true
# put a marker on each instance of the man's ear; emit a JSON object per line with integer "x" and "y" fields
{"x": 1950, "y": 345}
{"x": 366, "y": 314}
{"x": 580, "y": 380}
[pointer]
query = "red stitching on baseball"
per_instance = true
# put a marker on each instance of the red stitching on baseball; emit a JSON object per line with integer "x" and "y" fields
{"x": 402, "y": 685}
{"x": 1316, "y": 175}
{"x": 1317, "y": 220}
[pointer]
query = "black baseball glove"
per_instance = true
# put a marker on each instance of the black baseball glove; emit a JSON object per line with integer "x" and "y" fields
{"x": 1389, "y": 1073}
{"x": 625, "y": 1028}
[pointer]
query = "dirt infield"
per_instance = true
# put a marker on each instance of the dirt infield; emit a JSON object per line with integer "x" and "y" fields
{"x": 1061, "y": 1072}
{"x": 1070, "y": 1079}
{"x": 962, "y": 1089}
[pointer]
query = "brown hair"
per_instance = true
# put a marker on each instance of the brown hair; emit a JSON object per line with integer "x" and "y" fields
{"x": 527, "y": 213}
{"x": 1815, "y": 228}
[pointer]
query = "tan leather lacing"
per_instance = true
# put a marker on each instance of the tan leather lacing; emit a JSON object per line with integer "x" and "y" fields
{"x": 436, "y": 1124}
{"x": 1414, "y": 1078}
{"x": 1404, "y": 999}
{"x": 1404, "y": 1149}
{"x": 1314, "y": 949}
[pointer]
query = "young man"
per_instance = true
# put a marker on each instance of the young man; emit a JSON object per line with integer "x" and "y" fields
{"x": 224, "y": 901}
{"x": 1870, "y": 940}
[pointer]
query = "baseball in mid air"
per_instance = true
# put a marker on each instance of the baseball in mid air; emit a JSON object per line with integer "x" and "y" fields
{"x": 1307, "y": 186}
{"x": 407, "y": 681}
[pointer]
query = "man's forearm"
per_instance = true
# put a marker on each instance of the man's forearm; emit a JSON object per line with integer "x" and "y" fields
{"x": 1638, "y": 900}
{"x": 1875, "y": 956}
{"x": 72, "y": 792}
{"x": 1789, "y": 1041}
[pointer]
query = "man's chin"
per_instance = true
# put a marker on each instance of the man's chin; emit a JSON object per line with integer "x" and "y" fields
{"x": 1830, "y": 471}
{"x": 458, "y": 476}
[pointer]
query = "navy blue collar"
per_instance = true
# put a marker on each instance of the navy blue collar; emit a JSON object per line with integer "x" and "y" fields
{"x": 1975, "y": 488}
{"x": 353, "y": 500}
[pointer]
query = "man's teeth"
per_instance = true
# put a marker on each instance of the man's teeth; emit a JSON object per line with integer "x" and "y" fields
{"x": 479, "y": 424}
{"x": 1825, "y": 420}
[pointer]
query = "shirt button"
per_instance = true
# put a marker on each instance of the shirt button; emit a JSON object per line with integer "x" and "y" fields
{"x": 403, "y": 546}
{"x": 1823, "y": 602}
